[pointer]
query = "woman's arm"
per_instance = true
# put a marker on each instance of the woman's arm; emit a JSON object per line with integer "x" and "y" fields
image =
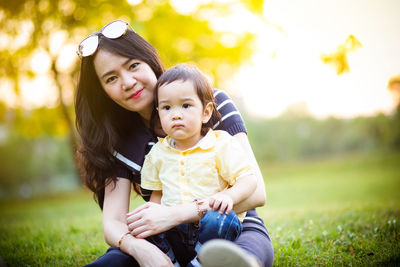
{"x": 152, "y": 218}
{"x": 115, "y": 207}
{"x": 258, "y": 198}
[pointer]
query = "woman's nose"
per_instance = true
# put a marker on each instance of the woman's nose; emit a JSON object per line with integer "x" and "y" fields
{"x": 128, "y": 81}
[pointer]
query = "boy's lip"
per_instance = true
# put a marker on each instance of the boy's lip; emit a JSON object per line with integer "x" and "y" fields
{"x": 136, "y": 94}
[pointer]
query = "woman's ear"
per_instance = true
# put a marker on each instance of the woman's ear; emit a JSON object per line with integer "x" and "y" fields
{"x": 207, "y": 113}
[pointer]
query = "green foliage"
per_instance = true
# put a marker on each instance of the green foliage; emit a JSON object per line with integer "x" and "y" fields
{"x": 178, "y": 37}
{"x": 341, "y": 211}
{"x": 32, "y": 166}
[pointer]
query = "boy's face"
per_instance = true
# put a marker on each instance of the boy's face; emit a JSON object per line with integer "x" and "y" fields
{"x": 181, "y": 113}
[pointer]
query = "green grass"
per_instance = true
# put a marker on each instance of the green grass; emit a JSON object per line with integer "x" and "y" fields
{"x": 342, "y": 211}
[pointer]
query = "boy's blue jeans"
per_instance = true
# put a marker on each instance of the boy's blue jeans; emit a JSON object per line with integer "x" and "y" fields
{"x": 187, "y": 237}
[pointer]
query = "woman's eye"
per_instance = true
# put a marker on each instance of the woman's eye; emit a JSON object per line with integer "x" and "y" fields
{"x": 185, "y": 105}
{"x": 111, "y": 79}
{"x": 133, "y": 65}
{"x": 166, "y": 107}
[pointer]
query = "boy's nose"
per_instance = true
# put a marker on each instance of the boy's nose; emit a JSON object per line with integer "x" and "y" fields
{"x": 177, "y": 115}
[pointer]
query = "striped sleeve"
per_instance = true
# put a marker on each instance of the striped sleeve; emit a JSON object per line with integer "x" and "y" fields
{"x": 231, "y": 121}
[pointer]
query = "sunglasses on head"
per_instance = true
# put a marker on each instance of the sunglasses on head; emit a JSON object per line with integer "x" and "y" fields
{"x": 112, "y": 30}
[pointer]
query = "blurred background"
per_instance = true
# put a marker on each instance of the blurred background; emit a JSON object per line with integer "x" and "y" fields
{"x": 311, "y": 78}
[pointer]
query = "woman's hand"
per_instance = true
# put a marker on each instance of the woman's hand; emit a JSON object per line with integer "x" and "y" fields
{"x": 148, "y": 254}
{"x": 150, "y": 219}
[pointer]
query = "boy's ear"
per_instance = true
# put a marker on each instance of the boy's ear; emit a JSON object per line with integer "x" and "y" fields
{"x": 207, "y": 113}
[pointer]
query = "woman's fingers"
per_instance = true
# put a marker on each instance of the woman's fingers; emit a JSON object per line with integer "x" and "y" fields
{"x": 144, "y": 234}
{"x": 139, "y": 209}
{"x": 137, "y": 231}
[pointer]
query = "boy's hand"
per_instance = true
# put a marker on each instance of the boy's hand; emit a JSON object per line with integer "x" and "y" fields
{"x": 222, "y": 201}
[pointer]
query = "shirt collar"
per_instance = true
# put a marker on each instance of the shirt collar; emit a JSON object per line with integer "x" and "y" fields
{"x": 207, "y": 142}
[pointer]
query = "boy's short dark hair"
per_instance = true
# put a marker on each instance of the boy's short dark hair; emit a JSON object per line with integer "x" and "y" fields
{"x": 186, "y": 72}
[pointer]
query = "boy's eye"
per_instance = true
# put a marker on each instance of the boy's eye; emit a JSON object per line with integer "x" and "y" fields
{"x": 185, "y": 105}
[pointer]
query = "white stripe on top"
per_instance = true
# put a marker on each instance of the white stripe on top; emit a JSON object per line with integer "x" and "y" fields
{"x": 225, "y": 117}
{"x": 224, "y": 103}
{"x": 127, "y": 161}
{"x": 216, "y": 92}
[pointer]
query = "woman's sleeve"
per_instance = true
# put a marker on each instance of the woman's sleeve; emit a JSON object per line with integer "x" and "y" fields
{"x": 121, "y": 171}
{"x": 231, "y": 120}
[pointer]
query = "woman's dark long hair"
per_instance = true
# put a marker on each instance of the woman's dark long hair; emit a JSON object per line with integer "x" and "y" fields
{"x": 99, "y": 120}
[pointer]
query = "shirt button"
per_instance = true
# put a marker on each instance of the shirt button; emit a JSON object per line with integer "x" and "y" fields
{"x": 182, "y": 162}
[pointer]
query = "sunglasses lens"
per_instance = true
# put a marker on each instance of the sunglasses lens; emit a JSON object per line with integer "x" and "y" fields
{"x": 115, "y": 29}
{"x": 88, "y": 46}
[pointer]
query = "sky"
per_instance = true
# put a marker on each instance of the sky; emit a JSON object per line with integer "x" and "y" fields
{"x": 287, "y": 70}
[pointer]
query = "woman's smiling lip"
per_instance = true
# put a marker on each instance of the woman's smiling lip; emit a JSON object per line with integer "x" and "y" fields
{"x": 136, "y": 94}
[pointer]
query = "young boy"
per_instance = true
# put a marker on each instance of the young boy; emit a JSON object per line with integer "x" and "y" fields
{"x": 194, "y": 163}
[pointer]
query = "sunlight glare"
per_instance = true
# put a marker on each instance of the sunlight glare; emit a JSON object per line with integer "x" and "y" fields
{"x": 57, "y": 39}
{"x": 40, "y": 62}
{"x": 187, "y": 7}
{"x": 286, "y": 67}
{"x": 38, "y": 92}
{"x": 7, "y": 93}
{"x": 26, "y": 29}
{"x": 134, "y": 2}
{"x": 65, "y": 62}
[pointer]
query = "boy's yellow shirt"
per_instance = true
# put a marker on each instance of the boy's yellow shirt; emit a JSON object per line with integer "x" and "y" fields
{"x": 213, "y": 164}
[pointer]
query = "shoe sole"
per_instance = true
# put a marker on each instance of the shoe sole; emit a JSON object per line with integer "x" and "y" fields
{"x": 221, "y": 253}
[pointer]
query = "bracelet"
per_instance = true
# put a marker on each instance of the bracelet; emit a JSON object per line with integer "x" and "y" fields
{"x": 122, "y": 238}
{"x": 199, "y": 210}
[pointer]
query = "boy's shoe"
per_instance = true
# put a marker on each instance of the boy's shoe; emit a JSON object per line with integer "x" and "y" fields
{"x": 219, "y": 252}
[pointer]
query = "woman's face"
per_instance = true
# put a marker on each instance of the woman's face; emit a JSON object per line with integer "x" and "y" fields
{"x": 128, "y": 82}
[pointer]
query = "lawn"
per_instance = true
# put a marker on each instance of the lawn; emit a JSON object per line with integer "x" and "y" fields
{"x": 334, "y": 211}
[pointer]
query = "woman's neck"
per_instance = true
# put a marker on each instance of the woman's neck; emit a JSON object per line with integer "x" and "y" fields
{"x": 146, "y": 116}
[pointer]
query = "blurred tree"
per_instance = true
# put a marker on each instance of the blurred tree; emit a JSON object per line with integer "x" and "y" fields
{"x": 394, "y": 86}
{"x": 38, "y": 38}
{"x": 339, "y": 58}
{"x": 255, "y": 6}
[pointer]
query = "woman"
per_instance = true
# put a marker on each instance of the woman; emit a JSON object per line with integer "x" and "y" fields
{"x": 114, "y": 105}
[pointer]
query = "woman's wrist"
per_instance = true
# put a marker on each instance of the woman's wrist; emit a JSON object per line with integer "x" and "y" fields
{"x": 131, "y": 245}
{"x": 185, "y": 213}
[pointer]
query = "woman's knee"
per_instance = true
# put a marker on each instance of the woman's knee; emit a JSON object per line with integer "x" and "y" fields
{"x": 114, "y": 258}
